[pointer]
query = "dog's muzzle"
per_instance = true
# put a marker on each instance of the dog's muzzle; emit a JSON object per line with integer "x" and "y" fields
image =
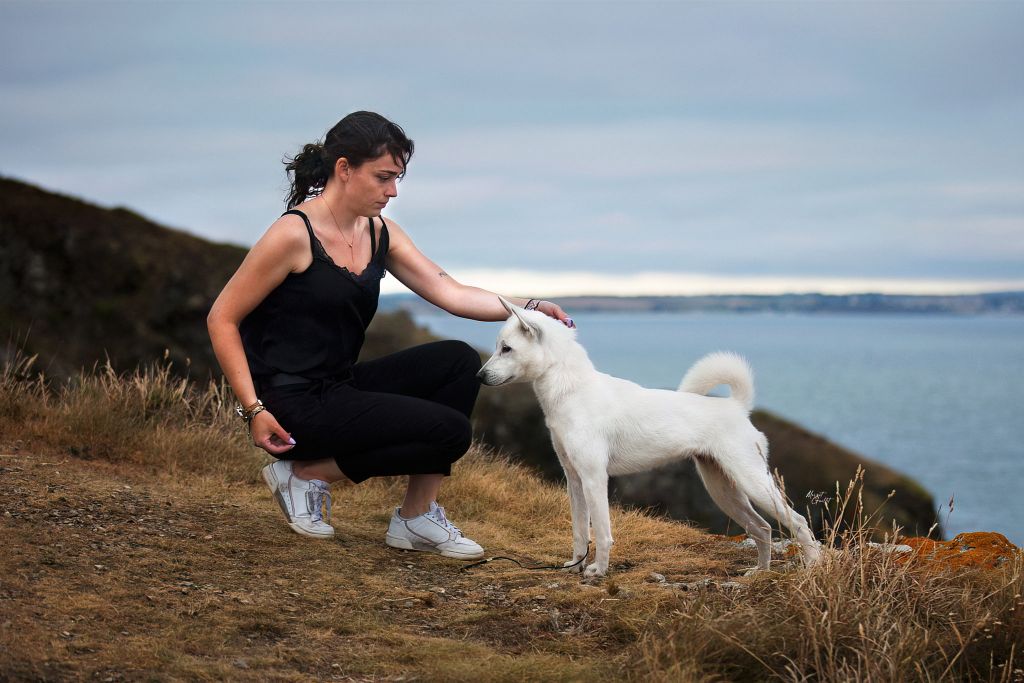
{"x": 490, "y": 380}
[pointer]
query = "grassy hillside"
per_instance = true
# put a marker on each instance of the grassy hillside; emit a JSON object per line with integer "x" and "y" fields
{"x": 139, "y": 544}
{"x": 79, "y": 282}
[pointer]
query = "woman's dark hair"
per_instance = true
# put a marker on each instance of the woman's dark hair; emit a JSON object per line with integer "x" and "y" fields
{"x": 359, "y": 137}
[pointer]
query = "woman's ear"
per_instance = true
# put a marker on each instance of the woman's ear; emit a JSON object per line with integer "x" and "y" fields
{"x": 342, "y": 169}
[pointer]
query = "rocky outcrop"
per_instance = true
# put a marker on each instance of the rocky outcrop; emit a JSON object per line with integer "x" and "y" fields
{"x": 810, "y": 466}
{"x": 978, "y": 549}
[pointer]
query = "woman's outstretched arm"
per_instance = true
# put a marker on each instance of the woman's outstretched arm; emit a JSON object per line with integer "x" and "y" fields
{"x": 430, "y": 281}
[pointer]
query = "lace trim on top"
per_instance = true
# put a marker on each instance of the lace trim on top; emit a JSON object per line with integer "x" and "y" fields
{"x": 319, "y": 252}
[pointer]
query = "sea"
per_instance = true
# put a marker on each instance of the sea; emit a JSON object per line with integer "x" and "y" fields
{"x": 937, "y": 397}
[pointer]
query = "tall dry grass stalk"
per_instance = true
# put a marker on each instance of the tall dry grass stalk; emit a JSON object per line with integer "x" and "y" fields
{"x": 148, "y": 417}
{"x": 23, "y": 392}
{"x": 866, "y": 612}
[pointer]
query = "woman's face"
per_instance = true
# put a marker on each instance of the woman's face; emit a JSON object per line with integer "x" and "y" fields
{"x": 372, "y": 185}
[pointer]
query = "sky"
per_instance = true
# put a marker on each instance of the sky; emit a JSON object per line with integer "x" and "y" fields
{"x": 561, "y": 147}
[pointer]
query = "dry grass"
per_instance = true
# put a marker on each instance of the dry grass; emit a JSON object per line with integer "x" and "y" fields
{"x": 141, "y": 546}
{"x": 862, "y": 614}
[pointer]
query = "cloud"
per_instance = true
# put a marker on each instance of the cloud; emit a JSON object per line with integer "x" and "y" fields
{"x": 840, "y": 139}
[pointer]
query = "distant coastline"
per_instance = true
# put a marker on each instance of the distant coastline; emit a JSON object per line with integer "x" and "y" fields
{"x": 1003, "y": 303}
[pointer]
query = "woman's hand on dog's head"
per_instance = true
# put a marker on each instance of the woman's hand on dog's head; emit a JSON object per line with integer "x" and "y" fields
{"x": 555, "y": 311}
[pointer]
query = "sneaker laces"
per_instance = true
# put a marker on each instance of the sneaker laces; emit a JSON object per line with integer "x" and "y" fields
{"x": 437, "y": 512}
{"x": 317, "y": 494}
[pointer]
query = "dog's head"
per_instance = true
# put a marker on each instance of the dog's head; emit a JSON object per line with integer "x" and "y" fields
{"x": 523, "y": 350}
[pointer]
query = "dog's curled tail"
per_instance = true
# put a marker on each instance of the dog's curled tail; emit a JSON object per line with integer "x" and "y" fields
{"x": 721, "y": 367}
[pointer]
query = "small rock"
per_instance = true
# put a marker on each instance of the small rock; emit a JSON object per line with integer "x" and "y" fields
{"x": 99, "y": 566}
{"x": 891, "y": 547}
{"x": 655, "y": 577}
{"x": 540, "y": 598}
{"x": 552, "y": 585}
{"x": 208, "y": 538}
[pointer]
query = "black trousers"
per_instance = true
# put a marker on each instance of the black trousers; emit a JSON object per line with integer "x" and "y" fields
{"x": 407, "y": 413}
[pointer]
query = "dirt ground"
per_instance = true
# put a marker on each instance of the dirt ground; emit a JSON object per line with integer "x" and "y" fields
{"x": 111, "y": 574}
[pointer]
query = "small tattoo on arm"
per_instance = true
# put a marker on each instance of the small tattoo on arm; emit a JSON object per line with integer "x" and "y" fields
{"x": 442, "y": 274}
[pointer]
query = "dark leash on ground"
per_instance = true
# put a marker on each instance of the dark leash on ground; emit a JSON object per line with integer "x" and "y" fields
{"x": 512, "y": 559}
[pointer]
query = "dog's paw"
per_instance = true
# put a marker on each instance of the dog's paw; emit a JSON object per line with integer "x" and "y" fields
{"x": 573, "y": 565}
{"x": 593, "y": 571}
{"x": 754, "y": 571}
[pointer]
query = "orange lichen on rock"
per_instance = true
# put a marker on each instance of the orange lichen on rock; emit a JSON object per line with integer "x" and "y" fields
{"x": 982, "y": 549}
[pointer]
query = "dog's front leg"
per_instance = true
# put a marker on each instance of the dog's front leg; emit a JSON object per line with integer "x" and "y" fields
{"x": 578, "y": 506}
{"x": 595, "y": 491}
{"x": 580, "y": 521}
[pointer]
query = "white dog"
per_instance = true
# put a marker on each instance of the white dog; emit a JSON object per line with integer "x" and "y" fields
{"x": 603, "y": 426}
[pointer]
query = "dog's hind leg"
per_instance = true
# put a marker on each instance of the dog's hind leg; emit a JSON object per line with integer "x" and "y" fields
{"x": 766, "y": 495}
{"x": 735, "y": 503}
{"x": 578, "y": 506}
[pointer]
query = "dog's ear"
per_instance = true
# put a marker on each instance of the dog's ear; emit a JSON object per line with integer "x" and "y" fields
{"x": 507, "y": 304}
{"x": 514, "y": 310}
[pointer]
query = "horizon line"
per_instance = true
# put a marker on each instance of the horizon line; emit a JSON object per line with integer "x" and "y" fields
{"x": 521, "y": 282}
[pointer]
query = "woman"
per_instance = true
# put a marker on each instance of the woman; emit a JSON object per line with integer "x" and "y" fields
{"x": 288, "y": 326}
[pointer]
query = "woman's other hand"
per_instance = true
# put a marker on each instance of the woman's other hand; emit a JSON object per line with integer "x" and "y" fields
{"x": 269, "y": 435}
{"x": 555, "y": 311}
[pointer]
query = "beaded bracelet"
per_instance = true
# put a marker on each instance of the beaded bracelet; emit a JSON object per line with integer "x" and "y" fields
{"x": 247, "y": 414}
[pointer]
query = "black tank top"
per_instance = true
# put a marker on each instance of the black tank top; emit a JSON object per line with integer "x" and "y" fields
{"x": 314, "y": 323}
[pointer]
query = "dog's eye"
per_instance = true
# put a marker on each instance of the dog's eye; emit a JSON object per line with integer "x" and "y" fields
{"x": 505, "y": 348}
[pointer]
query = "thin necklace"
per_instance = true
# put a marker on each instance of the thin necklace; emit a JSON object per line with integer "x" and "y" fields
{"x": 339, "y": 227}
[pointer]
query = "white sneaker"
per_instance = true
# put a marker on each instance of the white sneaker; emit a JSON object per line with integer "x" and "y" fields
{"x": 433, "y": 533}
{"x": 301, "y": 500}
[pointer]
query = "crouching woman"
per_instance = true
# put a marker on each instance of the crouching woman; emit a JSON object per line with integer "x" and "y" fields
{"x": 289, "y": 324}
